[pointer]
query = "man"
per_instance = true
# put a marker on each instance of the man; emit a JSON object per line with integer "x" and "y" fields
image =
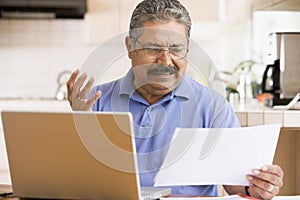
{"x": 161, "y": 96}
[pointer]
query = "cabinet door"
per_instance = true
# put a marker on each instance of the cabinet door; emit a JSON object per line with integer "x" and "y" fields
{"x": 265, "y": 4}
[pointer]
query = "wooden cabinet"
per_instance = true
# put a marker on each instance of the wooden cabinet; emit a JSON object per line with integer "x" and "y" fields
{"x": 288, "y": 157}
{"x": 276, "y": 5}
{"x": 263, "y": 4}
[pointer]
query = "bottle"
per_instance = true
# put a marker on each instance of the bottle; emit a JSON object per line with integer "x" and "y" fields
{"x": 244, "y": 87}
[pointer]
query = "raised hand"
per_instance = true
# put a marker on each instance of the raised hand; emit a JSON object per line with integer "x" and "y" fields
{"x": 77, "y": 94}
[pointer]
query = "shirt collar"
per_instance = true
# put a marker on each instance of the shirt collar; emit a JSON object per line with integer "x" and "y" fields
{"x": 184, "y": 89}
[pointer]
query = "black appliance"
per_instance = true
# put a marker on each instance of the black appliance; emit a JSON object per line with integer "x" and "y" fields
{"x": 271, "y": 79}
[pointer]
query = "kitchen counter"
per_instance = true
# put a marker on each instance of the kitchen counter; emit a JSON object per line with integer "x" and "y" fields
{"x": 257, "y": 114}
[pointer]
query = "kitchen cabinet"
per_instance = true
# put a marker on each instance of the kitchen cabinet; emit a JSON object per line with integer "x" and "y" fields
{"x": 276, "y": 5}
{"x": 262, "y": 4}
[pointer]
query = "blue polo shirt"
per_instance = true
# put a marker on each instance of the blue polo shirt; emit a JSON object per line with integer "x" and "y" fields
{"x": 190, "y": 105}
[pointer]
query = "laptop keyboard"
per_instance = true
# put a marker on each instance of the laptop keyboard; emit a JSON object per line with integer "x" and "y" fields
{"x": 149, "y": 191}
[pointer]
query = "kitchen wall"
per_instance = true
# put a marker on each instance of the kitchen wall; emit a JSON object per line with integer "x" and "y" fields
{"x": 34, "y": 52}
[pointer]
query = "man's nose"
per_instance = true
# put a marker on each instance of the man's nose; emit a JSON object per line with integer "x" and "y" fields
{"x": 165, "y": 57}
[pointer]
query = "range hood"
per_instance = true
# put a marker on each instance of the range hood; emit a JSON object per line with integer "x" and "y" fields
{"x": 43, "y": 8}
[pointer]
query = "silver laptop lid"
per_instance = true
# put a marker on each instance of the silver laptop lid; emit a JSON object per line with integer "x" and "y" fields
{"x": 78, "y": 155}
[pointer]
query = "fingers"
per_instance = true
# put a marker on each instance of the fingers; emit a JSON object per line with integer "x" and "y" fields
{"x": 266, "y": 182}
{"x": 85, "y": 91}
{"x": 85, "y": 104}
{"x": 77, "y": 86}
{"x": 79, "y": 93}
{"x": 90, "y": 102}
{"x": 70, "y": 85}
{"x": 274, "y": 169}
{"x": 272, "y": 174}
{"x": 259, "y": 193}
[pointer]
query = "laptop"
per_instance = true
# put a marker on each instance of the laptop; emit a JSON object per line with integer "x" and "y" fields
{"x": 74, "y": 155}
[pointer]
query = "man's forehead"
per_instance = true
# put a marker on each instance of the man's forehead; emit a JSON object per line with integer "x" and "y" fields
{"x": 162, "y": 35}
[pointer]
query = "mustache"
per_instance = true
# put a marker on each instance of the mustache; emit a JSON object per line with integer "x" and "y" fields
{"x": 162, "y": 69}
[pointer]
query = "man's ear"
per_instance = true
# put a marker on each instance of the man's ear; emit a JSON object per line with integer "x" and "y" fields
{"x": 128, "y": 43}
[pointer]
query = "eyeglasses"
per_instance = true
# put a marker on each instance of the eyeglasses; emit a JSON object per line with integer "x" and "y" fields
{"x": 154, "y": 52}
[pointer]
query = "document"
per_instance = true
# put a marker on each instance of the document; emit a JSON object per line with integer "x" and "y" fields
{"x": 207, "y": 156}
{"x": 231, "y": 197}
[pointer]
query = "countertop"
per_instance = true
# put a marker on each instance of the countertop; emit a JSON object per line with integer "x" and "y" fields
{"x": 258, "y": 114}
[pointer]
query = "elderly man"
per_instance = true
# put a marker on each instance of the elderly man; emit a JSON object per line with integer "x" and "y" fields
{"x": 161, "y": 97}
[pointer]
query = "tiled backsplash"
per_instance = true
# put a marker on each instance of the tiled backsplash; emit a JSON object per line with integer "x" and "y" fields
{"x": 34, "y": 52}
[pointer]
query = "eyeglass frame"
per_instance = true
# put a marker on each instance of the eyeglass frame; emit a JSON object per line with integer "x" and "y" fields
{"x": 162, "y": 49}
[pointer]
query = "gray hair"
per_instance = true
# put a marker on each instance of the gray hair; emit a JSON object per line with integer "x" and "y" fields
{"x": 158, "y": 11}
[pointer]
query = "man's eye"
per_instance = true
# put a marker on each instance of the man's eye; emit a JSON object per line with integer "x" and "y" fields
{"x": 176, "y": 50}
{"x": 152, "y": 49}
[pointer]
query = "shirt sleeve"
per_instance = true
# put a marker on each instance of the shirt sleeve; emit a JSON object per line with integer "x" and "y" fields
{"x": 223, "y": 114}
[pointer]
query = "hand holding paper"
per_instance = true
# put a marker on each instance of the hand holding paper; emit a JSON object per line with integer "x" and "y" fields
{"x": 217, "y": 156}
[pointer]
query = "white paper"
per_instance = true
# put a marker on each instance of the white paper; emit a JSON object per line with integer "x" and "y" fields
{"x": 231, "y": 154}
{"x": 231, "y": 197}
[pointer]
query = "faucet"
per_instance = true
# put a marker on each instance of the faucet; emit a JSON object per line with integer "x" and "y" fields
{"x": 62, "y": 78}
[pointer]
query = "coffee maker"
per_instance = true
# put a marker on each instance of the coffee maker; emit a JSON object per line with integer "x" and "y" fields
{"x": 281, "y": 78}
